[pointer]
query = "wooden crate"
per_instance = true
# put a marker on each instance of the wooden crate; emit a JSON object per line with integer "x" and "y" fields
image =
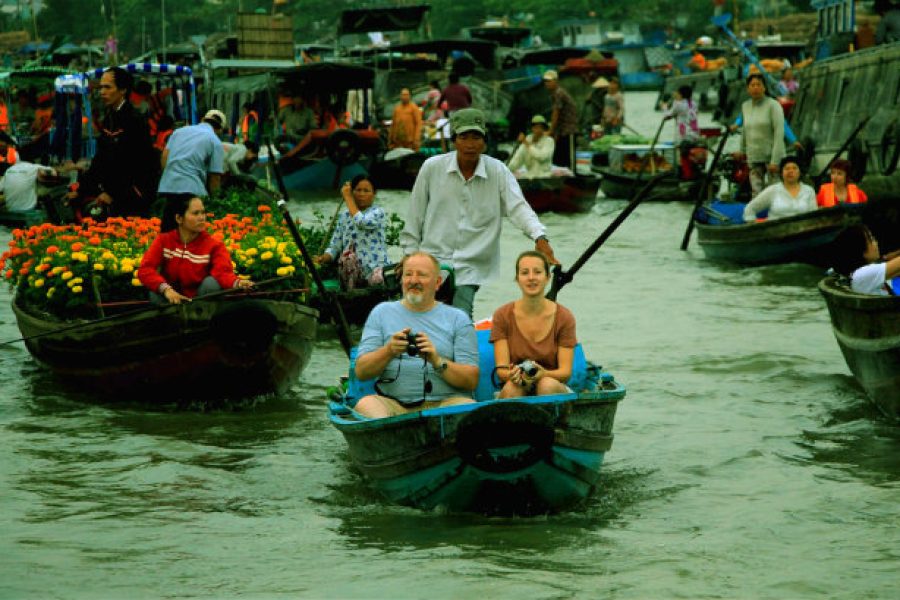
{"x": 265, "y": 36}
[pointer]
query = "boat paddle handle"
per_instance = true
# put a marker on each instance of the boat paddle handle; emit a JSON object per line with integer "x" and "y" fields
{"x": 817, "y": 181}
{"x": 331, "y": 302}
{"x": 561, "y": 278}
{"x": 704, "y": 189}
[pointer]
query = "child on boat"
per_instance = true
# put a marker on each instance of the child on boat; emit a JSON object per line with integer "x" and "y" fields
{"x": 184, "y": 261}
{"x": 358, "y": 242}
{"x": 534, "y": 338}
{"x": 858, "y": 257}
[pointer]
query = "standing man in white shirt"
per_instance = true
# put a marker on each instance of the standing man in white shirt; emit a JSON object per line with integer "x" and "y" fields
{"x": 457, "y": 206}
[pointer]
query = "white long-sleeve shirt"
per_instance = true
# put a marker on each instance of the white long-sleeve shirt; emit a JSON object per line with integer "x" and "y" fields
{"x": 459, "y": 221}
{"x": 780, "y": 203}
{"x": 536, "y": 157}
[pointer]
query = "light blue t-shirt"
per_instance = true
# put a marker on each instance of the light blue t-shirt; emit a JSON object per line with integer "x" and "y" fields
{"x": 194, "y": 152}
{"x": 449, "y": 329}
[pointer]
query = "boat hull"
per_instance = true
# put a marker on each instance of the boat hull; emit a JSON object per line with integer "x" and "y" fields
{"x": 620, "y": 184}
{"x": 526, "y": 456}
{"x": 801, "y": 238}
{"x": 200, "y": 350}
{"x": 867, "y": 329}
{"x": 560, "y": 194}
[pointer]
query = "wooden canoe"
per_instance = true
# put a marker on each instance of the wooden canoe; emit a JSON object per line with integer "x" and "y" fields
{"x": 560, "y": 194}
{"x": 867, "y": 329}
{"x": 524, "y": 456}
{"x": 800, "y": 238}
{"x": 224, "y": 348}
{"x": 623, "y": 185}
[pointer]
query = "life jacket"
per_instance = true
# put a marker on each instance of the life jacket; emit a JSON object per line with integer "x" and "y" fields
{"x": 244, "y": 127}
{"x": 4, "y": 117}
{"x": 10, "y": 157}
{"x": 827, "y": 197}
{"x": 161, "y": 139}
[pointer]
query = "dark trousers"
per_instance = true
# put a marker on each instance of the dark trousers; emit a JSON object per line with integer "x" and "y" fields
{"x": 564, "y": 153}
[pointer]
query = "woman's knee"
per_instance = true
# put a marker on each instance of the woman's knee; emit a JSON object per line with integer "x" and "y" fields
{"x": 548, "y": 385}
{"x": 512, "y": 390}
{"x": 208, "y": 286}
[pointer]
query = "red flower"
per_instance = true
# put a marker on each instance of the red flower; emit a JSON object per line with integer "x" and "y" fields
{"x": 264, "y": 208}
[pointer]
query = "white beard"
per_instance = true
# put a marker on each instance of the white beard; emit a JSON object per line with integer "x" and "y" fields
{"x": 414, "y": 298}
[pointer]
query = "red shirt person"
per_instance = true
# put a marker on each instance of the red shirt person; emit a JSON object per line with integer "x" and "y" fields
{"x": 184, "y": 261}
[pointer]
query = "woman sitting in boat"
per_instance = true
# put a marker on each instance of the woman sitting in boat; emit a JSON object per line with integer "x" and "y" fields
{"x": 358, "y": 243}
{"x": 858, "y": 257}
{"x": 785, "y": 199}
{"x": 534, "y": 338}
{"x": 840, "y": 190}
{"x": 184, "y": 261}
{"x": 535, "y": 151}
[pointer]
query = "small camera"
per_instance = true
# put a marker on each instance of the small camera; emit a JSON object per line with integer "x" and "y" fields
{"x": 411, "y": 347}
{"x": 528, "y": 367}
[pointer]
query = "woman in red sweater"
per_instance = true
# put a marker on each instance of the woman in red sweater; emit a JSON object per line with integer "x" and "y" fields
{"x": 184, "y": 261}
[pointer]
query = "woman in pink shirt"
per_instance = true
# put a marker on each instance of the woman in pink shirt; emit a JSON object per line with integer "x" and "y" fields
{"x": 534, "y": 338}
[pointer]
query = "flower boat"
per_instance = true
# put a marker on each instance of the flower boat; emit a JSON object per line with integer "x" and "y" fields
{"x": 800, "y": 238}
{"x": 208, "y": 349}
{"x": 867, "y": 329}
{"x": 525, "y": 456}
{"x": 85, "y": 314}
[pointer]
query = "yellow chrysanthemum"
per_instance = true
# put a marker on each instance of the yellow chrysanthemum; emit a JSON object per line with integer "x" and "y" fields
{"x": 286, "y": 260}
{"x": 76, "y": 289}
{"x": 98, "y": 266}
{"x": 266, "y": 255}
{"x": 136, "y": 282}
{"x": 38, "y": 283}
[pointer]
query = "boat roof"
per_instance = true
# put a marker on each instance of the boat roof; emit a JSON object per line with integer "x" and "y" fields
{"x": 162, "y": 69}
{"x": 550, "y": 56}
{"x": 328, "y": 77}
{"x": 482, "y": 51}
{"x": 387, "y": 18}
{"x": 504, "y": 36}
{"x": 251, "y": 64}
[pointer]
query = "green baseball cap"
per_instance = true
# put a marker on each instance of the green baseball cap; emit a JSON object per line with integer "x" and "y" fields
{"x": 468, "y": 119}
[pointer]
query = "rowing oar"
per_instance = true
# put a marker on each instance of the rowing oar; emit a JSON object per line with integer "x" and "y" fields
{"x": 652, "y": 147}
{"x": 561, "y": 278}
{"x": 704, "y": 189}
{"x": 821, "y": 176}
{"x": 337, "y": 313}
{"x": 131, "y": 313}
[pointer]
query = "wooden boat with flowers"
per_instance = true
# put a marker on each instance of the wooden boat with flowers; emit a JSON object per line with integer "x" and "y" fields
{"x": 227, "y": 347}
{"x": 525, "y": 456}
{"x": 867, "y": 329}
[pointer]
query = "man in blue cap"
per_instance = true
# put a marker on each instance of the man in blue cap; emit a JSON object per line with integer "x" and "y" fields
{"x": 457, "y": 206}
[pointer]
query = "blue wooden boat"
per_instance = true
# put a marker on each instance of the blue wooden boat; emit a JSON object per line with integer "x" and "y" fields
{"x": 524, "y": 456}
{"x": 800, "y": 238}
{"x": 867, "y": 329}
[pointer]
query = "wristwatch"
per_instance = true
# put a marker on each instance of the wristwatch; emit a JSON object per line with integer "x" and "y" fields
{"x": 541, "y": 237}
{"x": 442, "y": 368}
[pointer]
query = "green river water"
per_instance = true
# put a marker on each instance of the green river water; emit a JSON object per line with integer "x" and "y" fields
{"x": 747, "y": 461}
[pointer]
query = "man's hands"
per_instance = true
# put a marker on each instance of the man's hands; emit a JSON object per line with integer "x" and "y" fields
{"x": 543, "y": 246}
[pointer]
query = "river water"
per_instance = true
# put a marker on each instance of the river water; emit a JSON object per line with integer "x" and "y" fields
{"x": 747, "y": 461}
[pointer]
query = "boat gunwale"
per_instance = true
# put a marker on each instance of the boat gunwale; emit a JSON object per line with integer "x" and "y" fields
{"x": 362, "y": 423}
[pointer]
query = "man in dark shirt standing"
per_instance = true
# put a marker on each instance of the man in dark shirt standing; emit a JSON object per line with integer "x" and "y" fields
{"x": 563, "y": 121}
{"x": 123, "y": 172}
{"x": 456, "y": 94}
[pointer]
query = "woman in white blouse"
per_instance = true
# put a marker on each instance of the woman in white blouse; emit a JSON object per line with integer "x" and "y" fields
{"x": 785, "y": 199}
